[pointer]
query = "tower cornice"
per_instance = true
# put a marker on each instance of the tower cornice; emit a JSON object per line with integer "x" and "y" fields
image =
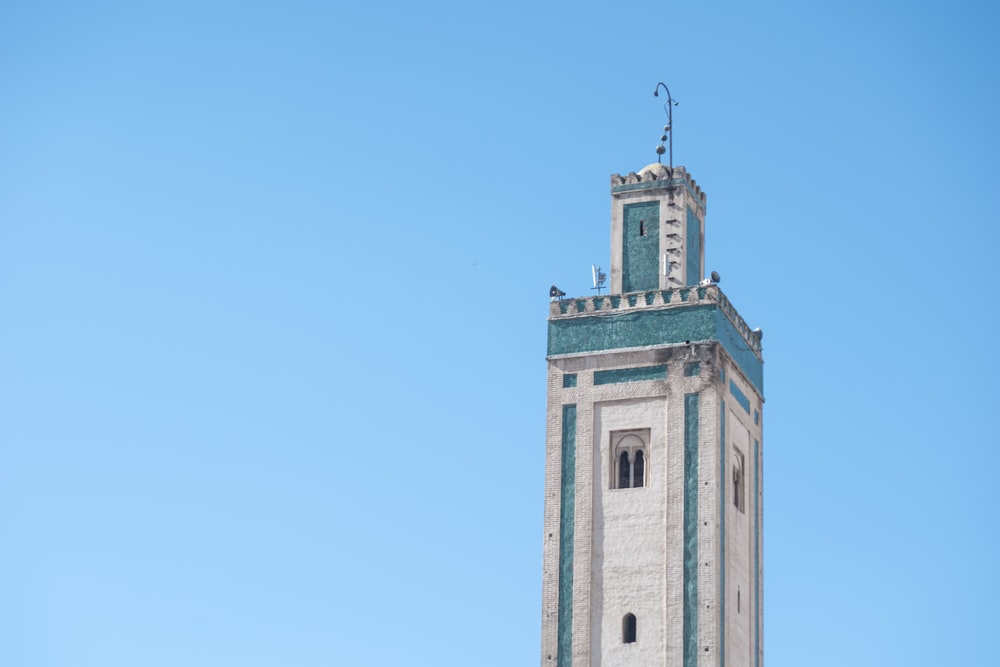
{"x": 654, "y": 318}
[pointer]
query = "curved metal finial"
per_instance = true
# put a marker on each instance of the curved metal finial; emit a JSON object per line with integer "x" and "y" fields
{"x": 668, "y": 129}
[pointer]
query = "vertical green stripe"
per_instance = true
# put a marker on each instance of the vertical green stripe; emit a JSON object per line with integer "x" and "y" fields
{"x": 722, "y": 533}
{"x": 756, "y": 552}
{"x": 693, "y": 243}
{"x": 690, "y": 530}
{"x": 566, "y": 518}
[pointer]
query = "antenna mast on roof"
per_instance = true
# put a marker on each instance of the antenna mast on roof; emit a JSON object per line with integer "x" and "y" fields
{"x": 599, "y": 277}
{"x": 668, "y": 129}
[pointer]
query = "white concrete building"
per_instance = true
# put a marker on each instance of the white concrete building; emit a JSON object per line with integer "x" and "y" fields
{"x": 653, "y": 514}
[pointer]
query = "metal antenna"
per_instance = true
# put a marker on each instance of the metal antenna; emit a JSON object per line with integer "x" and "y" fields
{"x": 668, "y": 129}
{"x": 599, "y": 277}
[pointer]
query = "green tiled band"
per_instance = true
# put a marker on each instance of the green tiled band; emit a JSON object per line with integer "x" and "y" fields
{"x": 567, "y": 497}
{"x": 616, "y": 375}
{"x": 664, "y": 326}
{"x": 690, "y": 639}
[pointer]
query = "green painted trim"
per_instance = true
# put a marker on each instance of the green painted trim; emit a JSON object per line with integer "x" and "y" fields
{"x": 616, "y": 375}
{"x": 722, "y": 533}
{"x": 663, "y": 326}
{"x": 756, "y": 552}
{"x": 740, "y": 397}
{"x": 567, "y": 498}
{"x": 690, "y": 629}
{"x": 569, "y": 380}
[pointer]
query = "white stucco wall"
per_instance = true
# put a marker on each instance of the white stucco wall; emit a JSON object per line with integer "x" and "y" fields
{"x": 628, "y": 559}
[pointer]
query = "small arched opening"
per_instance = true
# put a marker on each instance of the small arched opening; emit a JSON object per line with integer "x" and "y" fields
{"x": 638, "y": 469}
{"x": 624, "y": 471}
{"x": 628, "y": 629}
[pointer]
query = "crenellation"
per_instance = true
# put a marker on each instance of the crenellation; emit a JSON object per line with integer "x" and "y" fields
{"x": 660, "y": 176}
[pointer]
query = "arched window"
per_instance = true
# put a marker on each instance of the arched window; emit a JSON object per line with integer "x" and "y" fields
{"x": 738, "y": 478}
{"x": 624, "y": 471}
{"x": 630, "y": 458}
{"x": 628, "y": 629}
{"x": 638, "y": 468}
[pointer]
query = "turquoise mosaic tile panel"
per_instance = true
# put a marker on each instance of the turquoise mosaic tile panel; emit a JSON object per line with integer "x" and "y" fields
{"x": 616, "y": 375}
{"x": 692, "y": 246}
{"x": 740, "y": 397}
{"x": 722, "y": 533}
{"x": 654, "y": 327}
{"x": 635, "y": 329}
{"x": 567, "y": 498}
{"x": 741, "y": 353}
{"x": 690, "y": 629}
{"x": 756, "y": 552}
{"x": 640, "y": 246}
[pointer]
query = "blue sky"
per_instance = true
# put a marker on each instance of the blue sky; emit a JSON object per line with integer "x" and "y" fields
{"x": 274, "y": 286}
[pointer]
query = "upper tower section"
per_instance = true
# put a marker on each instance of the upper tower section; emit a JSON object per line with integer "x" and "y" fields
{"x": 657, "y": 230}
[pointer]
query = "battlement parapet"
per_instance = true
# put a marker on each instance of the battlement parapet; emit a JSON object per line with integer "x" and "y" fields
{"x": 681, "y": 297}
{"x": 656, "y": 175}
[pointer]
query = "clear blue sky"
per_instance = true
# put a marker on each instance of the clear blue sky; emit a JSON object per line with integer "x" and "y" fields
{"x": 273, "y": 294}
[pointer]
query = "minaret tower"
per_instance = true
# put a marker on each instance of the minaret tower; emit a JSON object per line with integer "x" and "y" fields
{"x": 653, "y": 515}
